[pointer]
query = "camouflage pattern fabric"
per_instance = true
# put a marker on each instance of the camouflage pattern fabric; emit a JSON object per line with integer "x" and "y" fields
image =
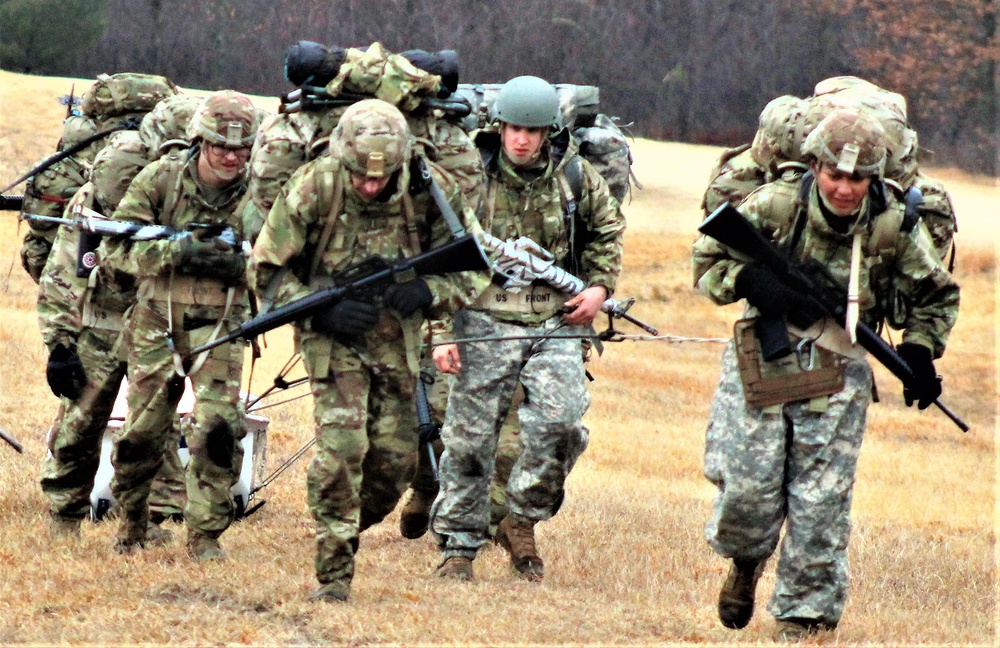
{"x": 363, "y": 388}
{"x": 736, "y": 174}
{"x": 937, "y": 213}
{"x": 552, "y": 434}
{"x": 793, "y": 466}
{"x": 217, "y": 420}
{"x": 792, "y": 462}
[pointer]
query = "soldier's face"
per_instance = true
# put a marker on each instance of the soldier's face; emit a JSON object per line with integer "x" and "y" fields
{"x": 218, "y": 165}
{"x": 367, "y": 187}
{"x": 843, "y": 191}
{"x": 522, "y": 144}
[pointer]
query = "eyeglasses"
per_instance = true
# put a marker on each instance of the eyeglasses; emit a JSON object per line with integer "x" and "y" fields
{"x": 223, "y": 151}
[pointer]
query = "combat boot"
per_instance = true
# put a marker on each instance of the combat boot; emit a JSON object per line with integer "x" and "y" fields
{"x": 456, "y": 567}
{"x": 131, "y": 535}
{"x": 517, "y": 537}
{"x": 61, "y": 528}
{"x": 337, "y": 591}
{"x": 795, "y": 629}
{"x": 157, "y": 536}
{"x": 416, "y": 514}
{"x": 737, "y": 594}
{"x": 203, "y": 548}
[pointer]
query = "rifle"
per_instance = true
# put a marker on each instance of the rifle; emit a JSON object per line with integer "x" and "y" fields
{"x": 427, "y": 429}
{"x": 309, "y": 98}
{"x": 59, "y": 156}
{"x": 462, "y": 254}
{"x": 11, "y": 203}
{"x": 12, "y": 441}
{"x": 731, "y": 228}
{"x": 523, "y": 261}
{"x": 90, "y": 221}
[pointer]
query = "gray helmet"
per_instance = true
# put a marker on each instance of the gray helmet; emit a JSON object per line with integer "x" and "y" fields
{"x": 528, "y": 101}
{"x": 372, "y": 138}
{"x": 851, "y": 140}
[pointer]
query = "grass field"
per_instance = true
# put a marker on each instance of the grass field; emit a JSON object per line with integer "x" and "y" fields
{"x": 626, "y": 559}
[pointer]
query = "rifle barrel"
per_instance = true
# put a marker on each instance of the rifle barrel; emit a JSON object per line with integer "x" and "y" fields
{"x": 12, "y": 441}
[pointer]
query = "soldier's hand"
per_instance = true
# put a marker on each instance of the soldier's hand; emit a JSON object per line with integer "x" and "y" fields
{"x": 64, "y": 372}
{"x": 773, "y": 298}
{"x": 408, "y": 297}
{"x": 447, "y": 359}
{"x": 584, "y": 307}
{"x": 925, "y": 387}
{"x": 347, "y": 317}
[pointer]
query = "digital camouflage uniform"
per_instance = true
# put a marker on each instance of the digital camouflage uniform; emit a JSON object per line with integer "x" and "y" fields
{"x": 552, "y": 434}
{"x": 794, "y": 464}
{"x": 86, "y": 313}
{"x": 179, "y": 311}
{"x": 363, "y": 387}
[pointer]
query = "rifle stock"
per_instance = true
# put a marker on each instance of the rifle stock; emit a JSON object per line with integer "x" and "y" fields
{"x": 460, "y": 255}
{"x": 9, "y": 202}
{"x": 731, "y": 228}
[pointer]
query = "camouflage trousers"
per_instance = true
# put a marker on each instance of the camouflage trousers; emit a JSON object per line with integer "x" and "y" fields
{"x": 213, "y": 430}
{"x": 366, "y": 449}
{"x": 552, "y": 433}
{"x": 75, "y": 441}
{"x": 508, "y": 448}
{"x": 794, "y": 468}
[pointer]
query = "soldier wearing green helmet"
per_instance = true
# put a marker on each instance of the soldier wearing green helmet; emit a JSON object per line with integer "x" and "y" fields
{"x": 531, "y": 165}
{"x": 789, "y": 460}
{"x": 366, "y": 197}
{"x": 191, "y": 288}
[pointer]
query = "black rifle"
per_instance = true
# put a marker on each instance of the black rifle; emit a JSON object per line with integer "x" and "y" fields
{"x": 462, "y": 254}
{"x": 311, "y": 98}
{"x": 731, "y": 228}
{"x": 427, "y": 429}
{"x": 9, "y": 202}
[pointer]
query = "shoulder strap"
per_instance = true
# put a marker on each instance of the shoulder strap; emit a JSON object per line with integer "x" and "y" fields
{"x": 327, "y": 184}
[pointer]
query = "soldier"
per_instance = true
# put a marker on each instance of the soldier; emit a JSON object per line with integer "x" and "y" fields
{"x": 81, "y": 309}
{"x": 191, "y": 287}
{"x": 791, "y": 459}
{"x": 532, "y": 159}
{"x": 365, "y": 198}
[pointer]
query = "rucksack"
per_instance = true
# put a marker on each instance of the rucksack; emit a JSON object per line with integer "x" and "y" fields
{"x": 125, "y": 92}
{"x": 600, "y": 139}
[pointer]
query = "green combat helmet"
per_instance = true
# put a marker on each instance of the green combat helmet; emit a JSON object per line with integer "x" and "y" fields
{"x": 528, "y": 101}
{"x": 168, "y": 122}
{"x": 227, "y": 118}
{"x": 850, "y": 140}
{"x": 372, "y": 138}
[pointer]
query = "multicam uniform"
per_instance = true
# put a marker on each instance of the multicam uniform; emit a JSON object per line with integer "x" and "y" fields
{"x": 175, "y": 313}
{"x": 794, "y": 463}
{"x": 526, "y": 203}
{"x": 363, "y": 387}
{"x": 83, "y": 308}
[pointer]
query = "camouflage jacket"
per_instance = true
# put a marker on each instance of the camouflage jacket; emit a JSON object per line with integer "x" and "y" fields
{"x": 914, "y": 283}
{"x": 736, "y": 174}
{"x": 300, "y": 216}
{"x": 532, "y": 203}
{"x": 167, "y": 193}
{"x": 938, "y": 214}
{"x": 69, "y": 302}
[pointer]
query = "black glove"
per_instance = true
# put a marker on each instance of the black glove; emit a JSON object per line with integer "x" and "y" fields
{"x": 773, "y": 298}
{"x": 209, "y": 257}
{"x": 925, "y": 387}
{"x": 65, "y": 372}
{"x": 409, "y": 297}
{"x": 346, "y": 317}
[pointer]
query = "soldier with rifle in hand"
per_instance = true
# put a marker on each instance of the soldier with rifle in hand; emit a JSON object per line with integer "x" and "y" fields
{"x": 370, "y": 202}
{"x": 789, "y": 413}
{"x": 531, "y": 173}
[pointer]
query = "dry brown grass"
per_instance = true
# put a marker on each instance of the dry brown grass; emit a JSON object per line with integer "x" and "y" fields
{"x": 627, "y": 563}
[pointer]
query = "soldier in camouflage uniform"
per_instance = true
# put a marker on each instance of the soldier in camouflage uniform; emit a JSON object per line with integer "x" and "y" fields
{"x": 790, "y": 460}
{"x": 191, "y": 289}
{"x": 525, "y": 197}
{"x": 362, "y": 353}
{"x": 81, "y": 310}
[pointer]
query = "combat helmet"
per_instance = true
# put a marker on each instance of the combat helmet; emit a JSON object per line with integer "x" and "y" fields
{"x": 781, "y": 131}
{"x": 851, "y": 140}
{"x": 372, "y": 138}
{"x": 227, "y": 118}
{"x": 528, "y": 101}
{"x": 115, "y": 167}
{"x": 168, "y": 121}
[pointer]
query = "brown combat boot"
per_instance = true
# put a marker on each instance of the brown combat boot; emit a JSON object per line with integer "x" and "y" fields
{"x": 737, "y": 594}
{"x": 416, "y": 514}
{"x": 794, "y": 629}
{"x": 457, "y": 568}
{"x": 64, "y": 528}
{"x": 131, "y": 535}
{"x": 335, "y": 592}
{"x": 517, "y": 537}
{"x": 157, "y": 536}
{"x": 203, "y": 548}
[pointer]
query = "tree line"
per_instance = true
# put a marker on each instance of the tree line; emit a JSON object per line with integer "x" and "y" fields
{"x": 688, "y": 70}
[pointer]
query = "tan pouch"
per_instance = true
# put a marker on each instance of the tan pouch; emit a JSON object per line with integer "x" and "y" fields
{"x": 808, "y": 373}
